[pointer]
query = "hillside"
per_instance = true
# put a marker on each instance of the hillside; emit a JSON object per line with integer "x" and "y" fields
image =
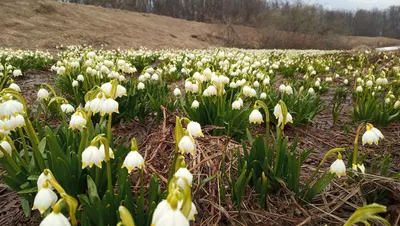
{"x": 45, "y": 24}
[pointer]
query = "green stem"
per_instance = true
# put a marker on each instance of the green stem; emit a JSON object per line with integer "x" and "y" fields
{"x": 25, "y": 165}
{"x": 10, "y": 161}
{"x": 109, "y": 130}
{"x": 34, "y": 142}
{"x": 82, "y": 145}
{"x": 355, "y": 152}
{"x": 107, "y": 159}
{"x": 26, "y": 154}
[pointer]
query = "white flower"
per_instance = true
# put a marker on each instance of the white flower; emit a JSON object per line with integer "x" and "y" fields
{"x": 96, "y": 104}
{"x": 371, "y": 135}
{"x": 177, "y": 92}
{"x": 6, "y": 146}
{"x": 121, "y": 91}
{"x": 80, "y": 78}
{"x": 44, "y": 199}
{"x": 193, "y": 211}
{"x": 77, "y": 121}
{"x": 338, "y": 167}
{"x": 256, "y": 117}
{"x": 263, "y": 95}
{"x": 369, "y": 83}
{"x": 43, "y": 94}
{"x": 236, "y": 105}
{"x": 140, "y": 86}
{"x": 183, "y": 174}
{"x": 154, "y": 77}
{"x": 361, "y": 167}
{"x": 195, "y": 104}
{"x": 282, "y": 88}
{"x": 162, "y": 208}
{"x": 311, "y": 91}
{"x": 55, "y": 219}
{"x": 132, "y": 160}
{"x": 15, "y": 87}
{"x": 103, "y": 153}
{"x": 92, "y": 155}
{"x": 42, "y": 179}
{"x": 67, "y": 108}
{"x": 194, "y": 129}
{"x": 397, "y": 104}
{"x": 75, "y": 83}
{"x": 186, "y": 144}
{"x": 109, "y": 106}
{"x": 61, "y": 70}
{"x": 169, "y": 217}
{"x": 328, "y": 79}
{"x": 317, "y": 84}
{"x": 289, "y": 90}
{"x": 359, "y": 89}
{"x": 346, "y": 81}
{"x": 266, "y": 81}
{"x": 17, "y": 72}
{"x": 278, "y": 114}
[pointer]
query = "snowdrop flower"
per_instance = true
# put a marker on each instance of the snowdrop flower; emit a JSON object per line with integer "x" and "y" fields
{"x": 317, "y": 84}
{"x": 42, "y": 179}
{"x": 263, "y": 95}
{"x": 172, "y": 218}
{"x": 328, "y": 79}
{"x": 43, "y": 94}
{"x": 193, "y": 211}
{"x": 282, "y": 88}
{"x": 103, "y": 152}
{"x": 236, "y": 105}
{"x": 67, "y": 108}
{"x": 256, "y": 117}
{"x": 345, "y": 81}
{"x": 359, "y": 89}
{"x": 109, "y": 106}
{"x": 6, "y": 146}
{"x": 233, "y": 85}
{"x": 311, "y": 91}
{"x": 177, "y": 92}
{"x": 183, "y": 174}
{"x": 80, "y": 78}
{"x": 75, "y": 83}
{"x": 387, "y": 100}
{"x": 77, "y": 121}
{"x": 195, "y": 104}
{"x": 278, "y": 114}
{"x": 338, "y": 167}
{"x": 361, "y": 167}
{"x": 17, "y": 72}
{"x": 397, "y": 104}
{"x": 369, "y": 83}
{"x": 15, "y": 87}
{"x": 266, "y": 81}
{"x": 92, "y": 156}
{"x": 154, "y": 77}
{"x": 140, "y": 86}
{"x": 44, "y": 199}
{"x": 194, "y": 129}
{"x": 96, "y": 104}
{"x": 133, "y": 160}
{"x": 371, "y": 135}
{"x": 256, "y": 84}
{"x": 61, "y": 70}
{"x": 289, "y": 90}
{"x": 55, "y": 219}
{"x": 186, "y": 144}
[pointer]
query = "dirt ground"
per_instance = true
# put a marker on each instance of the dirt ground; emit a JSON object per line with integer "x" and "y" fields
{"x": 45, "y": 24}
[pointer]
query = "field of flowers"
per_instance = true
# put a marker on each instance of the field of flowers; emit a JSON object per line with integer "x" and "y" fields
{"x": 199, "y": 137}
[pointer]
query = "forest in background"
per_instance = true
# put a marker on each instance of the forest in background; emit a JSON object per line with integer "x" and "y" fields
{"x": 290, "y": 16}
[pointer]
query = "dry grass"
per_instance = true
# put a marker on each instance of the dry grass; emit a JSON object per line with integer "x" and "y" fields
{"x": 44, "y": 24}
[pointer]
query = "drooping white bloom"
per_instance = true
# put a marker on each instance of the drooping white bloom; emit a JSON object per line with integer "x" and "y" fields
{"x": 140, "y": 86}
{"x": 195, "y": 104}
{"x": 371, "y": 135}
{"x": 103, "y": 153}
{"x": 186, "y": 144}
{"x": 236, "y": 105}
{"x": 133, "y": 160}
{"x": 328, "y": 79}
{"x": 55, "y": 219}
{"x": 75, "y": 83}
{"x": 345, "y": 81}
{"x": 278, "y": 114}
{"x": 256, "y": 117}
{"x": 44, "y": 199}
{"x": 317, "y": 83}
{"x": 193, "y": 211}
{"x": 194, "y": 129}
{"x": 263, "y": 95}
{"x": 170, "y": 217}
{"x": 289, "y": 90}
{"x": 77, "y": 121}
{"x": 282, "y": 88}
{"x": 397, "y": 104}
{"x": 92, "y": 156}
{"x": 43, "y": 94}
{"x": 183, "y": 174}
{"x": 338, "y": 167}
{"x": 42, "y": 179}
{"x": 80, "y": 78}
{"x": 6, "y": 146}
{"x": 359, "y": 89}
{"x": 162, "y": 208}
{"x": 109, "y": 106}
{"x": 96, "y": 104}
{"x": 177, "y": 92}
{"x": 15, "y": 87}
{"x": 369, "y": 83}
{"x": 67, "y": 108}
{"x": 17, "y": 72}
{"x": 311, "y": 91}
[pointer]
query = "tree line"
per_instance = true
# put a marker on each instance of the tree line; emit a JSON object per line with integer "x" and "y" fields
{"x": 291, "y": 16}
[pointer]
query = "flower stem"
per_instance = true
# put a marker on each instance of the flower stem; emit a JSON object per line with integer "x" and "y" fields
{"x": 26, "y": 154}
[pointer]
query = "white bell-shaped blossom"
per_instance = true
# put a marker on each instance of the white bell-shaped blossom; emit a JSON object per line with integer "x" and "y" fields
{"x": 133, "y": 160}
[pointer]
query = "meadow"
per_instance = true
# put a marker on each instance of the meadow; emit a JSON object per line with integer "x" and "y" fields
{"x": 199, "y": 137}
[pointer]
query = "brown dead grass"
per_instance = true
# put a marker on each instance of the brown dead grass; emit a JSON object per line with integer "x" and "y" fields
{"x": 45, "y": 24}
